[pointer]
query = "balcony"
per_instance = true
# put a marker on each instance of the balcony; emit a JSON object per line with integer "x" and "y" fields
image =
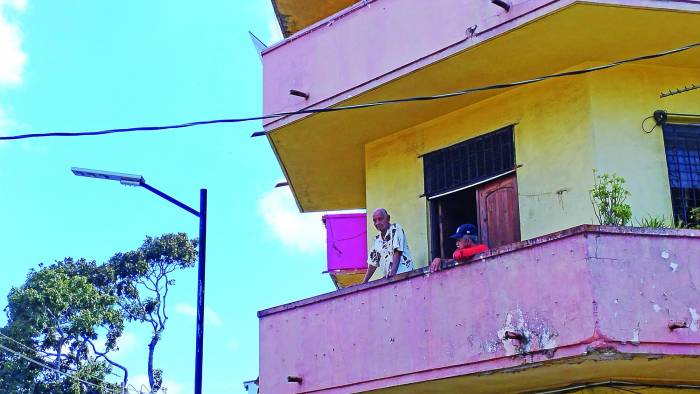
{"x": 584, "y": 305}
{"x": 388, "y": 49}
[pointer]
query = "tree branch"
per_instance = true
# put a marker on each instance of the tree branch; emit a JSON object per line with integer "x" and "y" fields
{"x": 165, "y": 296}
{"x": 104, "y": 355}
{"x": 159, "y": 305}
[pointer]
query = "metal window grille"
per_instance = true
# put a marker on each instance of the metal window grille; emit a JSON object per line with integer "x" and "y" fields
{"x": 682, "y": 144}
{"x": 469, "y": 161}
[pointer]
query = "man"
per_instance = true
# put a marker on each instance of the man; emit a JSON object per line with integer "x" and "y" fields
{"x": 467, "y": 247}
{"x": 389, "y": 250}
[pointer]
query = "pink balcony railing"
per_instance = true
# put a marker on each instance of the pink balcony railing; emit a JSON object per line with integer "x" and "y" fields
{"x": 568, "y": 301}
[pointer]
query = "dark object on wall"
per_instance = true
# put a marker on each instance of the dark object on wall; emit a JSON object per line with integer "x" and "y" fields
{"x": 501, "y": 3}
{"x": 299, "y": 93}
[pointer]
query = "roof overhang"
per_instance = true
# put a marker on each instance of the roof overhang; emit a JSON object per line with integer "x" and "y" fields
{"x": 323, "y": 155}
{"x": 295, "y": 15}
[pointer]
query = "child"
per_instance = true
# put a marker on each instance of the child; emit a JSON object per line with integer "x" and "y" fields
{"x": 467, "y": 247}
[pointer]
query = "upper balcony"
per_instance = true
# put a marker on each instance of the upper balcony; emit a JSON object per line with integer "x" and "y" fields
{"x": 294, "y": 15}
{"x": 589, "y": 304}
{"x": 386, "y": 49}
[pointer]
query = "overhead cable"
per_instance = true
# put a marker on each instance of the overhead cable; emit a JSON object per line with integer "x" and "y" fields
{"x": 357, "y": 106}
{"x": 33, "y": 350}
{"x": 67, "y": 374}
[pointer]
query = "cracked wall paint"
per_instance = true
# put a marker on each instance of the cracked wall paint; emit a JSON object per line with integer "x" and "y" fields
{"x": 509, "y": 345}
{"x": 537, "y": 334}
{"x": 696, "y": 318}
{"x": 635, "y": 334}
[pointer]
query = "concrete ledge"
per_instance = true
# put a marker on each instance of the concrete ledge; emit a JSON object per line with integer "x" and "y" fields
{"x": 582, "y": 229}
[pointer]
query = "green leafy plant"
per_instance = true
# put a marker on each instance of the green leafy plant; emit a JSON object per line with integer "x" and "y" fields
{"x": 608, "y": 197}
{"x": 695, "y": 217}
{"x": 653, "y": 222}
{"x": 693, "y": 220}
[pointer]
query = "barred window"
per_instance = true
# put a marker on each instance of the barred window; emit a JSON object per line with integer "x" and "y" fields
{"x": 682, "y": 144}
{"x": 469, "y": 162}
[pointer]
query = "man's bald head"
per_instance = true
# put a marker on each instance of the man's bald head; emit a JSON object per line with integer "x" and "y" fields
{"x": 381, "y": 211}
{"x": 380, "y": 218}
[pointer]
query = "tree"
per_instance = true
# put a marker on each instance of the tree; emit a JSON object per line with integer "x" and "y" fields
{"x": 141, "y": 280}
{"x": 56, "y": 317}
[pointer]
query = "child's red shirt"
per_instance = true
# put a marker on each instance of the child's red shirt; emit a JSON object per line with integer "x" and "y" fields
{"x": 468, "y": 253}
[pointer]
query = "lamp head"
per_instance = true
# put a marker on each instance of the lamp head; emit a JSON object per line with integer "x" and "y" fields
{"x": 125, "y": 179}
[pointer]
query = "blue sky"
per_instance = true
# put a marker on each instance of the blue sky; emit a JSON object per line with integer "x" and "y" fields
{"x": 82, "y": 66}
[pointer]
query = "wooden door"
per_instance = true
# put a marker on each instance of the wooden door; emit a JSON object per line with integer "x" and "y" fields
{"x": 499, "y": 220}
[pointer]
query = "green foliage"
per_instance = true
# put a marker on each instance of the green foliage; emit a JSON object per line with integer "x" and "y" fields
{"x": 141, "y": 281}
{"x": 88, "y": 373}
{"x": 157, "y": 379}
{"x": 695, "y": 217}
{"x": 57, "y": 313}
{"x": 653, "y": 222}
{"x": 608, "y": 197}
{"x": 693, "y": 220}
{"x": 61, "y": 310}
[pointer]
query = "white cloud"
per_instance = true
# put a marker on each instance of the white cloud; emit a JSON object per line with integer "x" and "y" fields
{"x": 274, "y": 32}
{"x": 20, "y": 5}
{"x": 210, "y": 316}
{"x": 6, "y": 123}
{"x": 233, "y": 344}
{"x": 186, "y": 309}
{"x": 126, "y": 342}
{"x": 13, "y": 58}
{"x": 301, "y": 231}
{"x": 140, "y": 384}
{"x": 8, "y": 126}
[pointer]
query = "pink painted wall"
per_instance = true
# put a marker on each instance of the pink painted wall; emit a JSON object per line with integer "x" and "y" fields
{"x": 368, "y": 40}
{"x": 346, "y": 241}
{"x": 588, "y": 286}
{"x": 376, "y": 41}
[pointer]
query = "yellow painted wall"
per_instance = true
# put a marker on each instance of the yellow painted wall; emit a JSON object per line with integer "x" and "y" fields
{"x": 563, "y": 129}
{"x": 620, "y": 99}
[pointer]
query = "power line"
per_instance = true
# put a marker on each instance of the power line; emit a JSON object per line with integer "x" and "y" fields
{"x": 16, "y": 353}
{"x": 44, "y": 365}
{"x": 16, "y": 341}
{"x": 33, "y": 350}
{"x": 357, "y": 106}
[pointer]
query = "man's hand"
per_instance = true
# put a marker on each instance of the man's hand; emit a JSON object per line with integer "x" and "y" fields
{"x": 394, "y": 267}
{"x": 369, "y": 273}
{"x": 436, "y": 265}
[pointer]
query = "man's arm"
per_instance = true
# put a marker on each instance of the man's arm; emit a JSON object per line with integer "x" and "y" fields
{"x": 395, "y": 258}
{"x": 369, "y": 273}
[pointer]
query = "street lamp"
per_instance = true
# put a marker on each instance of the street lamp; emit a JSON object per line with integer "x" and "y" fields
{"x": 138, "y": 180}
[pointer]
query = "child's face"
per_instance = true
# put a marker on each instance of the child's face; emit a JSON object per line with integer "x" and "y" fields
{"x": 463, "y": 243}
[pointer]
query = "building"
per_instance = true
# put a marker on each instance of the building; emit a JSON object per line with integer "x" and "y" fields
{"x": 555, "y": 302}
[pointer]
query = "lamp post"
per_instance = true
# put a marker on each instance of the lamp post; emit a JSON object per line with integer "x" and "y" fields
{"x": 138, "y": 180}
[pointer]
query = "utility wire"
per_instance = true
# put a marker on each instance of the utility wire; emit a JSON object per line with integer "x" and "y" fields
{"x": 16, "y": 341}
{"x": 43, "y": 365}
{"x": 617, "y": 384}
{"x": 358, "y": 106}
{"x": 33, "y": 350}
